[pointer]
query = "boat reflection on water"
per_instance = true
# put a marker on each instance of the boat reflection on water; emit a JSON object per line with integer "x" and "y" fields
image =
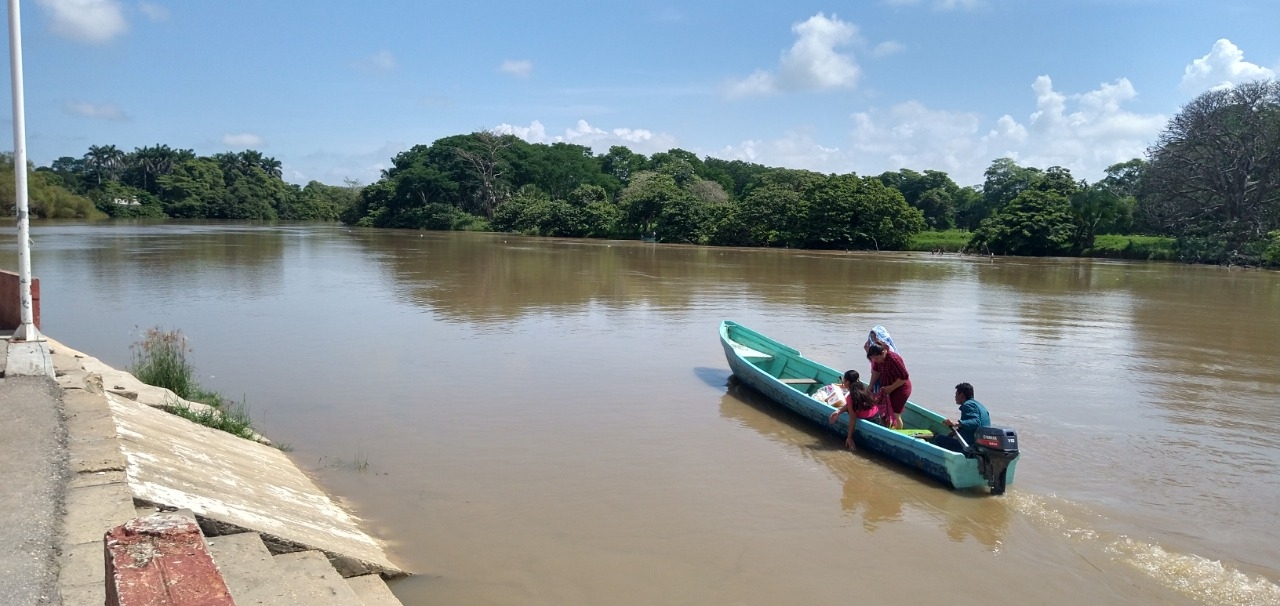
{"x": 880, "y": 492}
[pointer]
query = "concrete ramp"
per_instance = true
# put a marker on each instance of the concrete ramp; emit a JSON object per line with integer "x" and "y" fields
{"x": 231, "y": 484}
{"x": 239, "y": 484}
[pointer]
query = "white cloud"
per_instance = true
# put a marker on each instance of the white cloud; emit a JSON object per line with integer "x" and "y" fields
{"x": 99, "y": 112}
{"x": 1223, "y": 67}
{"x": 381, "y": 61}
{"x": 333, "y": 168}
{"x": 91, "y": 21}
{"x": 947, "y": 5}
{"x": 599, "y": 140}
{"x": 153, "y": 11}
{"x": 890, "y": 47}
{"x": 247, "y": 140}
{"x": 942, "y": 5}
{"x": 1084, "y": 132}
{"x": 518, "y": 68}
{"x": 812, "y": 63}
{"x": 797, "y": 149}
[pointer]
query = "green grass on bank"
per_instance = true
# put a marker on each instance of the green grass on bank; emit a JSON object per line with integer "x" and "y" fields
{"x": 1142, "y": 248}
{"x": 951, "y": 240}
{"x": 161, "y": 359}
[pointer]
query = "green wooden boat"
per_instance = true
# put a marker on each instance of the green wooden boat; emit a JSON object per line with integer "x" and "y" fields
{"x": 788, "y": 378}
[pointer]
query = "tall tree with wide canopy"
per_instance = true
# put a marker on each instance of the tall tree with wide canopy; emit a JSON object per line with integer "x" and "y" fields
{"x": 1213, "y": 180}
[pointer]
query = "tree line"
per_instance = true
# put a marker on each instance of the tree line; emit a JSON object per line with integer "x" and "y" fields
{"x": 1211, "y": 182}
{"x": 160, "y": 181}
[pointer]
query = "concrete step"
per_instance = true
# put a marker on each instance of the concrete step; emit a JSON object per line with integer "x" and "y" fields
{"x": 323, "y": 586}
{"x": 304, "y": 578}
{"x": 373, "y": 591}
{"x": 250, "y": 572}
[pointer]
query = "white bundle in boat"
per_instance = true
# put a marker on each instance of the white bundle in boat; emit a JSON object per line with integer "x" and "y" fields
{"x": 832, "y": 395}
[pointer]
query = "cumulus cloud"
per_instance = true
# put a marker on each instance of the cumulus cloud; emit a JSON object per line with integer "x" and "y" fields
{"x": 382, "y": 61}
{"x": 599, "y": 140}
{"x": 153, "y": 11}
{"x": 796, "y": 149}
{"x": 97, "y": 112}
{"x": 519, "y": 68}
{"x": 889, "y": 47}
{"x": 812, "y": 63}
{"x": 93, "y": 21}
{"x": 1223, "y": 67}
{"x": 1083, "y": 132}
{"x": 241, "y": 140}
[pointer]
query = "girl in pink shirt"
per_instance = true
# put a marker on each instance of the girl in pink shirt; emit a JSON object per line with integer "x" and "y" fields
{"x": 858, "y": 404}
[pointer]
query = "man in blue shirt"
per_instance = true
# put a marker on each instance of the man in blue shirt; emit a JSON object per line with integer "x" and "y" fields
{"x": 972, "y": 416}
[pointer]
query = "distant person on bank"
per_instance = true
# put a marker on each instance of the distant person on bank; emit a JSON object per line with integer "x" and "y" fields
{"x": 972, "y": 416}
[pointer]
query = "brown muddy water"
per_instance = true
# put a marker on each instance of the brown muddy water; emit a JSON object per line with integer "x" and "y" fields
{"x": 545, "y": 421}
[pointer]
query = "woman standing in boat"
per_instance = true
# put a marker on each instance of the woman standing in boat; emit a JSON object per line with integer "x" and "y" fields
{"x": 890, "y": 372}
{"x": 858, "y": 404}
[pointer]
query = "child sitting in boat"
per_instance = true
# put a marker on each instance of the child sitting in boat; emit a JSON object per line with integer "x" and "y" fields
{"x": 858, "y": 404}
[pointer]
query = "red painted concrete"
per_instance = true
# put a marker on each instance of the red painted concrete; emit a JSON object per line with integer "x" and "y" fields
{"x": 161, "y": 560}
{"x": 11, "y": 303}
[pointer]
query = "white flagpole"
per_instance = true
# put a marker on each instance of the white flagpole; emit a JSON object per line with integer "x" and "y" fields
{"x": 27, "y": 330}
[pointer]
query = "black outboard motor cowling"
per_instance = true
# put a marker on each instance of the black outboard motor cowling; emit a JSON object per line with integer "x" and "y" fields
{"x": 995, "y": 448}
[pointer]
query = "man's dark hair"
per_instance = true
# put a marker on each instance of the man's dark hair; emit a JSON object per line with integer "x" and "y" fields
{"x": 966, "y": 389}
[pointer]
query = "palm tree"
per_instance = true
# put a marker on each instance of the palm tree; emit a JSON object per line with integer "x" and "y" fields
{"x": 104, "y": 159}
{"x": 272, "y": 167}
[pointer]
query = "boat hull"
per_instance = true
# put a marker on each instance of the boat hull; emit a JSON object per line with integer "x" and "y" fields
{"x": 785, "y": 376}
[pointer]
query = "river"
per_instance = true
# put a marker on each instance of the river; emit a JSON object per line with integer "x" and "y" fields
{"x": 551, "y": 421}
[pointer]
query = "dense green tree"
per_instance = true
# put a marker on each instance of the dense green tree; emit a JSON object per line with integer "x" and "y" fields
{"x": 70, "y": 171}
{"x": 317, "y": 202}
{"x": 599, "y": 216}
{"x": 486, "y": 154}
{"x": 1213, "y": 180}
{"x": 47, "y": 198}
{"x": 1125, "y": 178}
{"x": 559, "y": 168}
{"x": 684, "y": 220}
{"x": 741, "y": 176}
{"x": 773, "y": 215}
{"x": 621, "y": 163}
{"x": 882, "y": 217}
{"x": 193, "y": 189}
{"x": 1095, "y": 209}
{"x": 1035, "y": 223}
{"x": 1057, "y": 179}
{"x": 970, "y": 208}
{"x": 1004, "y": 180}
{"x": 642, "y": 201}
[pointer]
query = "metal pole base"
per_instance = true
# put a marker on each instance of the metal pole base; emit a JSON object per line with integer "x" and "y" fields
{"x": 27, "y": 332}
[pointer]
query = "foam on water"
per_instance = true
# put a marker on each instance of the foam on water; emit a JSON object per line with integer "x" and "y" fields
{"x": 1202, "y": 579}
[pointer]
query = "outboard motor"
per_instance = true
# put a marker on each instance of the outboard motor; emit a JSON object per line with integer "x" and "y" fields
{"x": 995, "y": 448}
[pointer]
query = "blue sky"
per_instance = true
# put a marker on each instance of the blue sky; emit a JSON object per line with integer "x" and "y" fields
{"x": 335, "y": 89}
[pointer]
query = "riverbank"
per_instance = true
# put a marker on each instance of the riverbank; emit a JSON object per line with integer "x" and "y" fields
{"x": 89, "y": 449}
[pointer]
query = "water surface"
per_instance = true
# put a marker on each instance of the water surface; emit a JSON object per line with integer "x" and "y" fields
{"x": 549, "y": 421}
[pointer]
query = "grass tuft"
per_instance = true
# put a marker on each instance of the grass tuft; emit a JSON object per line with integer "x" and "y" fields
{"x": 161, "y": 359}
{"x": 231, "y": 417}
